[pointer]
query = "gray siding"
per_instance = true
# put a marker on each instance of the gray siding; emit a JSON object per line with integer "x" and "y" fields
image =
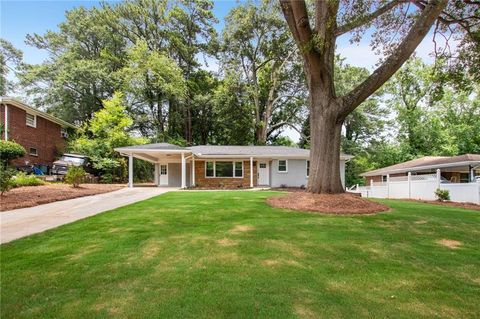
{"x": 296, "y": 175}
{"x": 175, "y": 174}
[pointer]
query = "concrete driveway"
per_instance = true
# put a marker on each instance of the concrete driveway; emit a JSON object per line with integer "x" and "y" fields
{"x": 23, "y": 222}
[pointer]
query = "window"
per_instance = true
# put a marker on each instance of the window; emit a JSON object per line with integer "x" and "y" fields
{"x": 33, "y": 151}
{"x": 263, "y": 165}
{"x": 384, "y": 178}
{"x": 163, "y": 169}
{"x": 224, "y": 169}
{"x": 238, "y": 169}
{"x": 282, "y": 166}
{"x": 31, "y": 120}
{"x": 308, "y": 168}
{"x": 209, "y": 172}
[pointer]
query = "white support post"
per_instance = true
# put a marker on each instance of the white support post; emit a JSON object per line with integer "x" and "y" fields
{"x": 5, "y": 130}
{"x": 184, "y": 170}
{"x": 130, "y": 170}
{"x": 439, "y": 177}
{"x": 156, "y": 177}
{"x": 371, "y": 182}
{"x": 388, "y": 185}
{"x": 193, "y": 170}
{"x": 409, "y": 185}
{"x": 251, "y": 171}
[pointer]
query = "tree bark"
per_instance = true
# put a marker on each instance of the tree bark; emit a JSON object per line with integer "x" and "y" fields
{"x": 325, "y": 128}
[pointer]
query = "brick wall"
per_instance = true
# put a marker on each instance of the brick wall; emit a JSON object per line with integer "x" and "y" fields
{"x": 46, "y": 137}
{"x": 214, "y": 182}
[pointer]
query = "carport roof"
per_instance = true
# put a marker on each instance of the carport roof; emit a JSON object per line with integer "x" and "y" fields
{"x": 225, "y": 150}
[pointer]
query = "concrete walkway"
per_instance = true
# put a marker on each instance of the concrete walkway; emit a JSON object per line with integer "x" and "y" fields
{"x": 23, "y": 222}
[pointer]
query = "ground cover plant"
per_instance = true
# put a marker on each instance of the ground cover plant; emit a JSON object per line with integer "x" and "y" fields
{"x": 228, "y": 254}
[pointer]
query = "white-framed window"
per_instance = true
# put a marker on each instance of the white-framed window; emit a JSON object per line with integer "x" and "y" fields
{"x": 33, "y": 151}
{"x": 282, "y": 166}
{"x": 263, "y": 165}
{"x": 384, "y": 178}
{"x": 308, "y": 168}
{"x": 31, "y": 120}
{"x": 163, "y": 169}
{"x": 223, "y": 169}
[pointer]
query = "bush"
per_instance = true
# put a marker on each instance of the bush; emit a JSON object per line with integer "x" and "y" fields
{"x": 22, "y": 179}
{"x": 6, "y": 181}
{"x": 10, "y": 150}
{"x": 75, "y": 175}
{"x": 442, "y": 194}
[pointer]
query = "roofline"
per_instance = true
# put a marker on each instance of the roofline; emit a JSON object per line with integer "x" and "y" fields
{"x": 419, "y": 168}
{"x": 127, "y": 150}
{"x": 28, "y": 108}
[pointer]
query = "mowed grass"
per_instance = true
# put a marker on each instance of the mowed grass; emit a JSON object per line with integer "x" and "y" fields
{"x": 230, "y": 255}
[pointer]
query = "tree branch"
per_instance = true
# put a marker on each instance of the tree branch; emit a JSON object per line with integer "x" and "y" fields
{"x": 363, "y": 20}
{"x": 416, "y": 34}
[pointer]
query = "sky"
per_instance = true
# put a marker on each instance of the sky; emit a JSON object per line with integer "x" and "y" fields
{"x": 19, "y": 18}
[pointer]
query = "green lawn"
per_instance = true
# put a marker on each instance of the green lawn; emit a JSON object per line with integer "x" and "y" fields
{"x": 228, "y": 254}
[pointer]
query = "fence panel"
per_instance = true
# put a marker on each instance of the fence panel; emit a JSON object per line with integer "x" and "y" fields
{"x": 423, "y": 189}
{"x": 463, "y": 192}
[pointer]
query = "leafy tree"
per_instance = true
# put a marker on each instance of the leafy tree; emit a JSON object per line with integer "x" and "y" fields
{"x": 232, "y": 113}
{"x": 152, "y": 79}
{"x": 398, "y": 29}
{"x": 10, "y": 59}
{"x": 256, "y": 43}
{"x": 107, "y": 130}
{"x": 77, "y": 75}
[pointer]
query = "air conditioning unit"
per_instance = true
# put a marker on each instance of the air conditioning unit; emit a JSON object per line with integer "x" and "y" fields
{"x": 64, "y": 134}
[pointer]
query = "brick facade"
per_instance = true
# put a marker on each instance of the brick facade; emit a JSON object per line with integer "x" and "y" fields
{"x": 45, "y": 137}
{"x": 224, "y": 182}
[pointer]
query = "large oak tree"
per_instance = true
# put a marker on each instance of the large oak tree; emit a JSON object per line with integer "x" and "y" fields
{"x": 397, "y": 26}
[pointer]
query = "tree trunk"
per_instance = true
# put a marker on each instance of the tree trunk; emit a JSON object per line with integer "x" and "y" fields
{"x": 325, "y": 126}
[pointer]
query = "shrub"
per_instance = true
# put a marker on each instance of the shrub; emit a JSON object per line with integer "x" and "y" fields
{"x": 6, "y": 181}
{"x": 442, "y": 194}
{"x": 75, "y": 175}
{"x": 22, "y": 179}
{"x": 10, "y": 150}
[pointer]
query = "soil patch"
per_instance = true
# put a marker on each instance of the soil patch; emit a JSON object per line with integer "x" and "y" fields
{"x": 36, "y": 195}
{"x": 347, "y": 204}
{"x": 452, "y": 244}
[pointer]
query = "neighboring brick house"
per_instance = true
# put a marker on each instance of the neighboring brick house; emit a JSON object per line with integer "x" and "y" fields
{"x": 42, "y": 135}
{"x": 224, "y": 166}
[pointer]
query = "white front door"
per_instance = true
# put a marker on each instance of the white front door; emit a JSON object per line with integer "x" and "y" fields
{"x": 163, "y": 175}
{"x": 263, "y": 173}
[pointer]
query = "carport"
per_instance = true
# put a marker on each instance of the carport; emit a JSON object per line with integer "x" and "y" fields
{"x": 174, "y": 165}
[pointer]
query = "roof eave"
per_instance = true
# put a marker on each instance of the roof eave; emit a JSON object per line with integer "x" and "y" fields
{"x": 28, "y": 108}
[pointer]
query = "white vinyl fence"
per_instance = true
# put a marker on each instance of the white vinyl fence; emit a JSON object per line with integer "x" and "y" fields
{"x": 420, "y": 187}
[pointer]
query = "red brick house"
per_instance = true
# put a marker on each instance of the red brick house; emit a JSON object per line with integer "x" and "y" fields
{"x": 42, "y": 135}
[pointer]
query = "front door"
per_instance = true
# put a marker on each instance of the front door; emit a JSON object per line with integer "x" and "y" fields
{"x": 163, "y": 175}
{"x": 263, "y": 173}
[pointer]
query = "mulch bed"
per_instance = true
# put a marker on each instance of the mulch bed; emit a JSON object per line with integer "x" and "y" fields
{"x": 472, "y": 206}
{"x": 341, "y": 204}
{"x": 36, "y": 195}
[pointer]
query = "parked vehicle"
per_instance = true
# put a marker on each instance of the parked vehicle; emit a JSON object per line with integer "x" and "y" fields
{"x": 60, "y": 167}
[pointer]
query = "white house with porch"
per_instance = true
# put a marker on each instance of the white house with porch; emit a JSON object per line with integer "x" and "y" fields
{"x": 215, "y": 166}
